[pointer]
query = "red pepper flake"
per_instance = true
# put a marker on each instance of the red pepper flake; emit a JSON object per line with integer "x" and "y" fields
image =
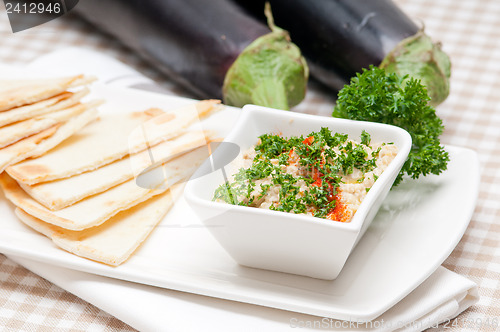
{"x": 340, "y": 212}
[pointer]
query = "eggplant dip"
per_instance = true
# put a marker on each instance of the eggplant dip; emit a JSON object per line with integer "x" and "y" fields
{"x": 323, "y": 174}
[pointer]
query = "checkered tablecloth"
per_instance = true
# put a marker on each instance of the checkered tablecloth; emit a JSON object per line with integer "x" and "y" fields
{"x": 470, "y": 33}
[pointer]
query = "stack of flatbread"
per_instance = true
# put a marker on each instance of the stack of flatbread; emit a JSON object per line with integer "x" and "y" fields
{"x": 84, "y": 194}
{"x": 37, "y": 115}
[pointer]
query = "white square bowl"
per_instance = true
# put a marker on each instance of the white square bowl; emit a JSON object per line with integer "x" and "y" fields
{"x": 281, "y": 241}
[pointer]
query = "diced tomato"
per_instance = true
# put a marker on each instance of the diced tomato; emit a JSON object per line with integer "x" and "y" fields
{"x": 317, "y": 183}
{"x": 316, "y": 174}
{"x": 308, "y": 141}
{"x": 292, "y": 157}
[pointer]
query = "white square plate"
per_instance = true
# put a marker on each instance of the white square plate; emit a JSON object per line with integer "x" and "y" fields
{"x": 417, "y": 227}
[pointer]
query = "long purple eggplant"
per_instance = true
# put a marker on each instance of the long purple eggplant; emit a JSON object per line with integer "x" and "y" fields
{"x": 341, "y": 37}
{"x": 212, "y": 47}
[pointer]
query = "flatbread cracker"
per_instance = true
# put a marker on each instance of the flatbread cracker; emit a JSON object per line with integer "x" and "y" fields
{"x": 99, "y": 143}
{"x": 59, "y": 194}
{"x": 36, "y": 146}
{"x": 19, "y": 130}
{"x": 113, "y": 242}
{"x": 106, "y": 141}
{"x": 54, "y": 104}
{"x": 67, "y": 129}
{"x": 24, "y": 92}
{"x": 96, "y": 209}
{"x": 153, "y": 131}
{"x": 18, "y": 150}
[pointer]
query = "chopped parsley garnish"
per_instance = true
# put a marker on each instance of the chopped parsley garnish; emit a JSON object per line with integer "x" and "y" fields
{"x": 318, "y": 160}
{"x": 376, "y": 96}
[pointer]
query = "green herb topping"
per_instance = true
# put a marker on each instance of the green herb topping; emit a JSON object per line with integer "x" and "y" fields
{"x": 304, "y": 173}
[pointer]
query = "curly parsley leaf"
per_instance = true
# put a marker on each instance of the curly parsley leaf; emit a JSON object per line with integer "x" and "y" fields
{"x": 376, "y": 96}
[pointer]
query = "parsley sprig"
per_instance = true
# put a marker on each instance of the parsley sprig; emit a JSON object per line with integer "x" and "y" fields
{"x": 376, "y": 96}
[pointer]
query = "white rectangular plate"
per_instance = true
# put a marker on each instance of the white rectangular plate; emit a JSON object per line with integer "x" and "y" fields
{"x": 417, "y": 227}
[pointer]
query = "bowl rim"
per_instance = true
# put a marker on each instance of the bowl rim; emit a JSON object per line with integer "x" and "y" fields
{"x": 356, "y": 223}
